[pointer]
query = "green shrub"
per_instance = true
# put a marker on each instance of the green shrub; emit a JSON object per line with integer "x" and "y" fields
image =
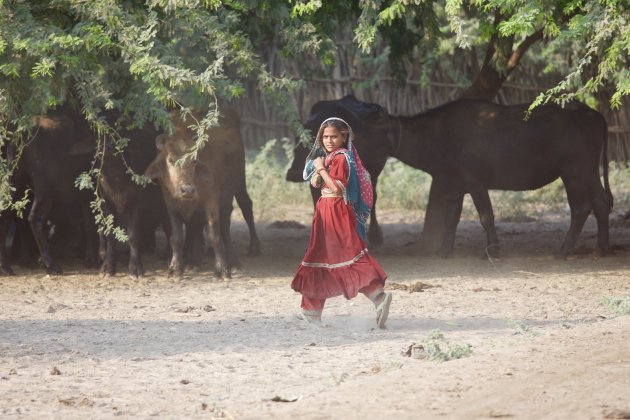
{"x": 266, "y": 184}
{"x": 521, "y": 328}
{"x": 402, "y": 187}
{"x": 438, "y": 349}
{"x": 621, "y": 306}
{"x": 435, "y": 348}
{"x": 619, "y": 176}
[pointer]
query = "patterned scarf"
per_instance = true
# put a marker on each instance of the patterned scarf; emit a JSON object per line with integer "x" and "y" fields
{"x": 359, "y": 190}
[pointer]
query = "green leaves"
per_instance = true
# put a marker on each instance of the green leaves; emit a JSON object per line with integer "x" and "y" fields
{"x": 389, "y": 14}
{"x": 84, "y": 181}
{"x": 10, "y": 69}
{"x": 43, "y": 68}
{"x": 306, "y": 8}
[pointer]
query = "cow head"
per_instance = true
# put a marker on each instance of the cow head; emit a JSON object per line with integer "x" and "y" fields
{"x": 176, "y": 174}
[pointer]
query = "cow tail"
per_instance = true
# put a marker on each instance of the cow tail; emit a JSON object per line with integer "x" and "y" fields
{"x": 605, "y": 170}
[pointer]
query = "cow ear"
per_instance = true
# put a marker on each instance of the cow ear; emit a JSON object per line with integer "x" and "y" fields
{"x": 154, "y": 170}
{"x": 160, "y": 141}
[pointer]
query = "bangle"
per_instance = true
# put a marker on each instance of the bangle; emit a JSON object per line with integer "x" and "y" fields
{"x": 319, "y": 170}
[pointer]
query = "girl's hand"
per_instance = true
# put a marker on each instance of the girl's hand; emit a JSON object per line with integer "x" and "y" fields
{"x": 316, "y": 181}
{"x": 318, "y": 162}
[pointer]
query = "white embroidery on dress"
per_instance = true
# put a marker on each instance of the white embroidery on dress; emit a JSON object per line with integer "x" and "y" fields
{"x": 337, "y": 265}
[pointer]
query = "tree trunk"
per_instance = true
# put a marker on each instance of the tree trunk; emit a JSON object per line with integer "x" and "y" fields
{"x": 486, "y": 85}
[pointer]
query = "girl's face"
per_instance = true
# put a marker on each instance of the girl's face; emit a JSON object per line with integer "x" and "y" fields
{"x": 332, "y": 139}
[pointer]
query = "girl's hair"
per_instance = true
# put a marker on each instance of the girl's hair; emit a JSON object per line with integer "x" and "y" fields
{"x": 339, "y": 125}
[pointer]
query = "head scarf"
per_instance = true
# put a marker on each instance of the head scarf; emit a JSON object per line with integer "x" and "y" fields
{"x": 359, "y": 189}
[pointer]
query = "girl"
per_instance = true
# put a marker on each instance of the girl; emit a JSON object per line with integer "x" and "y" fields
{"x": 337, "y": 261}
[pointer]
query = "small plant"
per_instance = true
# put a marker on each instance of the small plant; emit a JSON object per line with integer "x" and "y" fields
{"x": 435, "y": 348}
{"x": 621, "y": 306}
{"x": 522, "y": 328}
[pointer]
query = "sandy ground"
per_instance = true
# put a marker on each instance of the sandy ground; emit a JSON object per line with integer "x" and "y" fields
{"x": 543, "y": 344}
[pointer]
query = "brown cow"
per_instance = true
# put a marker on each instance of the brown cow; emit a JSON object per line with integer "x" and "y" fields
{"x": 208, "y": 183}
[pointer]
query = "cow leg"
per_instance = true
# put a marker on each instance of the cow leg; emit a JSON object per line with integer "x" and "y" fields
{"x": 108, "y": 267}
{"x": 102, "y": 247}
{"x": 5, "y": 268}
{"x": 601, "y": 208}
{"x": 226, "y": 237}
{"x": 375, "y": 234}
{"x": 37, "y": 218}
{"x": 221, "y": 268}
{"x": 91, "y": 236}
{"x": 246, "y": 206}
{"x": 176, "y": 266}
{"x": 434, "y": 218}
{"x": 453, "y": 204}
{"x": 134, "y": 232}
{"x": 482, "y": 202}
{"x": 577, "y": 195}
{"x": 193, "y": 242}
{"x": 24, "y": 246}
{"x": 106, "y": 249}
{"x": 166, "y": 227}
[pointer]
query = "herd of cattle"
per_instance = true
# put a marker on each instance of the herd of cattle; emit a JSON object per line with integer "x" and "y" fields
{"x": 472, "y": 146}
{"x": 194, "y": 195}
{"x": 467, "y": 146}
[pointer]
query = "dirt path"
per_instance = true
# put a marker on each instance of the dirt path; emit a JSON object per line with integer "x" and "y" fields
{"x": 544, "y": 345}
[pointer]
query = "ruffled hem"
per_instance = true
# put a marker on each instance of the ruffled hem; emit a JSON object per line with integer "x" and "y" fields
{"x": 323, "y": 283}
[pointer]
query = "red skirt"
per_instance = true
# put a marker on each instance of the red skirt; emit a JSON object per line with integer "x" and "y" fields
{"x": 337, "y": 261}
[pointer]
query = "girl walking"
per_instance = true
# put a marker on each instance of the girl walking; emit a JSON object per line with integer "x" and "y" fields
{"x": 337, "y": 261}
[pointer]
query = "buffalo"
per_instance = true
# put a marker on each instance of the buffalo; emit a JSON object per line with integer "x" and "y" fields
{"x": 60, "y": 148}
{"x": 137, "y": 208}
{"x": 471, "y": 146}
{"x": 207, "y": 184}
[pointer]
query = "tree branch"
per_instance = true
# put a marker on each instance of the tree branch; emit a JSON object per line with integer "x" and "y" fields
{"x": 518, "y": 53}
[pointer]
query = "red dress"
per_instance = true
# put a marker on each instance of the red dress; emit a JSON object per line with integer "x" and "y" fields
{"x": 337, "y": 261}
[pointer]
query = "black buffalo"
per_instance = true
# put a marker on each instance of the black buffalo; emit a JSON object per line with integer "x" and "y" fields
{"x": 60, "y": 147}
{"x": 472, "y": 146}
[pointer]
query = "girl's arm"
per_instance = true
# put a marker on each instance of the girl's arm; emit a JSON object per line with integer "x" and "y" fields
{"x": 329, "y": 181}
{"x": 336, "y": 169}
